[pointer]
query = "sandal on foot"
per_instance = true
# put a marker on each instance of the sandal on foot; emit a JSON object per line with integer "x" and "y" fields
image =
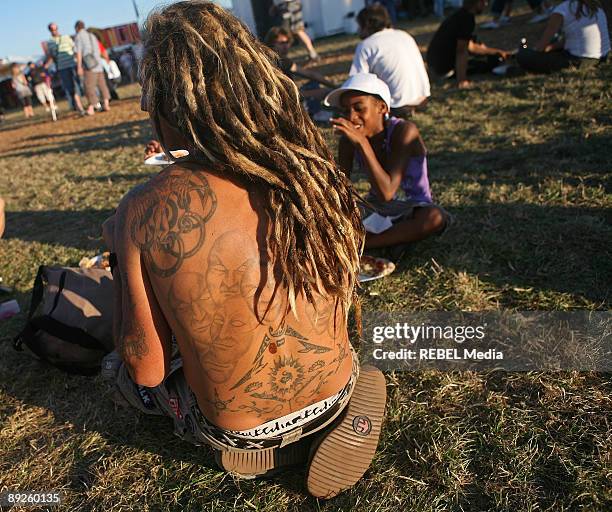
{"x": 260, "y": 463}
{"x": 343, "y": 453}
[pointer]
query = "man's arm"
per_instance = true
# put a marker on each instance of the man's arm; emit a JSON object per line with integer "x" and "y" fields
{"x": 144, "y": 338}
{"x": 313, "y": 75}
{"x": 108, "y": 235}
{"x": 483, "y": 49}
{"x": 79, "y": 61}
{"x": 50, "y": 56}
{"x": 78, "y": 53}
{"x": 461, "y": 58}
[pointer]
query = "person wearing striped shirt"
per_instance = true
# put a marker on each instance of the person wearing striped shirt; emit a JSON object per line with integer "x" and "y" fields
{"x": 60, "y": 49}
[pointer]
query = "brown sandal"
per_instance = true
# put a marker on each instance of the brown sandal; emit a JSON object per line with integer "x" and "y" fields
{"x": 343, "y": 453}
{"x": 261, "y": 463}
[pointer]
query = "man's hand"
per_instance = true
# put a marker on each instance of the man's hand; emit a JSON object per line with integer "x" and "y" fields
{"x": 344, "y": 126}
{"x": 505, "y": 55}
{"x": 80, "y": 70}
{"x": 152, "y": 148}
{"x": 465, "y": 84}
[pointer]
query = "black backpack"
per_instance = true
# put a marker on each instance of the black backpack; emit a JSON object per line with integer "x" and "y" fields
{"x": 70, "y": 318}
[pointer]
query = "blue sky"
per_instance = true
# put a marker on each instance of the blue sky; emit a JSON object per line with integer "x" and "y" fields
{"x": 24, "y": 22}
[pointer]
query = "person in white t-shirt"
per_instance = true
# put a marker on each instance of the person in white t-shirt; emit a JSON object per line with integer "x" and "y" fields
{"x": 585, "y": 40}
{"x": 394, "y": 57}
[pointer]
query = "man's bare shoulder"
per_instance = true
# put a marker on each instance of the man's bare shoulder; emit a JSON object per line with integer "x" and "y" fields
{"x": 166, "y": 217}
{"x": 179, "y": 179}
{"x": 169, "y": 217}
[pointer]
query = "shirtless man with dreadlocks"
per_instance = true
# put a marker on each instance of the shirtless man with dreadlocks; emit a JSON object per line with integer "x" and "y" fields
{"x": 236, "y": 266}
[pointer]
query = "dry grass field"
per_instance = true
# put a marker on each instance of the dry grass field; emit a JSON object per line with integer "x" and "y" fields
{"x": 523, "y": 164}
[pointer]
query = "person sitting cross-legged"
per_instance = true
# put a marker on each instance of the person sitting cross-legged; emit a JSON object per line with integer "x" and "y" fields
{"x": 235, "y": 267}
{"x": 393, "y": 154}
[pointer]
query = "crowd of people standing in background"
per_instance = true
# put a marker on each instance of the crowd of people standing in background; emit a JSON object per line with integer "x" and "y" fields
{"x": 393, "y": 55}
{"x": 85, "y": 66}
{"x": 80, "y": 66}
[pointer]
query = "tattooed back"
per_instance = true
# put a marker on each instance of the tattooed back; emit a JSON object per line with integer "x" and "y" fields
{"x": 211, "y": 281}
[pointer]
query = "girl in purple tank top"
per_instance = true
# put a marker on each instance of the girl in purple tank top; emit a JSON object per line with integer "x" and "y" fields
{"x": 393, "y": 155}
{"x": 415, "y": 180}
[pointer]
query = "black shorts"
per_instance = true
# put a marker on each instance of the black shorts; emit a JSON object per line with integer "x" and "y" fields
{"x": 26, "y": 101}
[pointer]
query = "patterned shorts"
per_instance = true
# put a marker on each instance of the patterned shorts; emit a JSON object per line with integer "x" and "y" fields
{"x": 174, "y": 398}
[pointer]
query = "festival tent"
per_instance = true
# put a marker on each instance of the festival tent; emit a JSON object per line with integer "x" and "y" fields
{"x": 111, "y": 37}
{"x": 329, "y": 17}
{"x": 119, "y": 35}
{"x": 321, "y": 17}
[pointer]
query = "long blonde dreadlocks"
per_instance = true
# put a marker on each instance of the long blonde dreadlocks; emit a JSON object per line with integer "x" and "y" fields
{"x": 204, "y": 70}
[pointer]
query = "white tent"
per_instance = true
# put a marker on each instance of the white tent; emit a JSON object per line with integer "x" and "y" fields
{"x": 328, "y": 17}
{"x": 322, "y": 17}
{"x": 243, "y": 10}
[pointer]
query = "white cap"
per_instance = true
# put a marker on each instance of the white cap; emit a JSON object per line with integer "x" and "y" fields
{"x": 362, "y": 82}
